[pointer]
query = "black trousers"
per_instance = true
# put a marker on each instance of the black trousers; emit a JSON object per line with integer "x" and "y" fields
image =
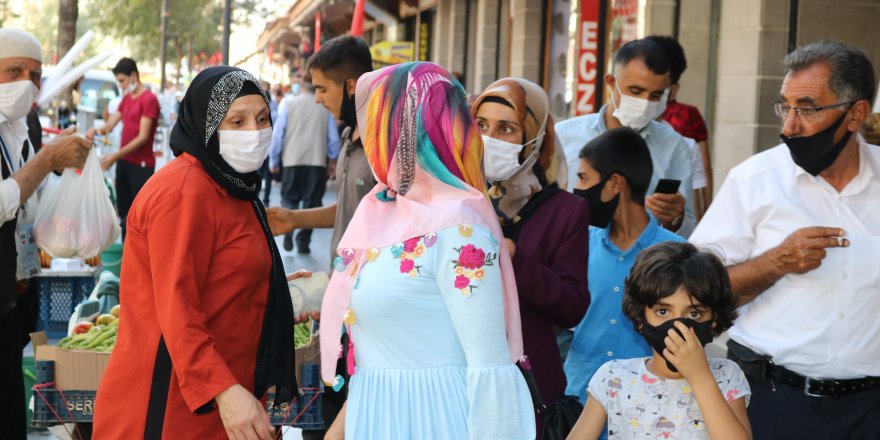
{"x": 130, "y": 178}
{"x": 789, "y": 414}
{"x": 15, "y": 329}
{"x": 303, "y": 187}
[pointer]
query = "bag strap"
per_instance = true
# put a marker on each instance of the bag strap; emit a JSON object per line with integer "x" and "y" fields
{"x": 526, "y": 368}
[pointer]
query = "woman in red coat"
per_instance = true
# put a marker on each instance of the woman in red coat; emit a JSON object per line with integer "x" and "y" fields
{"x": 207, "y": 322}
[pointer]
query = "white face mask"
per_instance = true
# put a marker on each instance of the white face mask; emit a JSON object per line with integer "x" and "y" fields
{"x": 637, "y": 113}
{"x": 17, "y": 98}
{"x": 245, "y": 150}
{"x": 500, "y": 158}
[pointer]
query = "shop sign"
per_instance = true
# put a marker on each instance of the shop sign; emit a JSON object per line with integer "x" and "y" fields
{"x": 588, "y": 57}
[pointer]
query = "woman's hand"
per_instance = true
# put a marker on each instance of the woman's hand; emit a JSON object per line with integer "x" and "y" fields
{"x": 686, "y": 353}
{"x": 303, "y": 317}
{"x": 243, "y": 416}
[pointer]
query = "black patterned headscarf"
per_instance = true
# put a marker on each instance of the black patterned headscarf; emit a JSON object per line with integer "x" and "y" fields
{"x": 202, "y": 109}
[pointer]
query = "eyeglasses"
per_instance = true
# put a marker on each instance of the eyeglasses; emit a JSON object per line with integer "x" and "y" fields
{"x": 810, "y": 114}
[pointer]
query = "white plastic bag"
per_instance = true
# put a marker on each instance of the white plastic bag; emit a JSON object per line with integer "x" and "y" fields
{"x": 75, "y": 217}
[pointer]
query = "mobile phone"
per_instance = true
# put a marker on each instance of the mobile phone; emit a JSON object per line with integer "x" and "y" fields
{"x": 667, "y": 186}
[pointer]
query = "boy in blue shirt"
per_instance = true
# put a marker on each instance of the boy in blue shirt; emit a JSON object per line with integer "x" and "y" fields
{"x": 614, "y": 175}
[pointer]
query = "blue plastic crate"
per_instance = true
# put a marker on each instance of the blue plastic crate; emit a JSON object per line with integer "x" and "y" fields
{"x": 308, "y": 406}
{"x": 50, "y": 404}
{"x": 60, "y": 293}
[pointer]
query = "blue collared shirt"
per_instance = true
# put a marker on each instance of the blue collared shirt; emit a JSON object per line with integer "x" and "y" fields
{"x": 669, "y": 153}
{"x": 606, "y": 333}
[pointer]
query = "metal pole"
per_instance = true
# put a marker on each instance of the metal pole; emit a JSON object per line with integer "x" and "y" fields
{"x": 164, "y": 39}
{"x": 227, "y": 12}
{"x": 418, "y": 45}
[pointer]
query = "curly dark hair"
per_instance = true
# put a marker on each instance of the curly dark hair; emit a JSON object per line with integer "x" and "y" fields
{"x": 660, "y": 270}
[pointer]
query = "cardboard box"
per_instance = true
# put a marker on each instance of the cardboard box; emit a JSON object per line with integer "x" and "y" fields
{"x": 74, "y": 369}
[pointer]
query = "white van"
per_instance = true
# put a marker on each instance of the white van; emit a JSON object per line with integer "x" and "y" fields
{"x": 97, "y": 89}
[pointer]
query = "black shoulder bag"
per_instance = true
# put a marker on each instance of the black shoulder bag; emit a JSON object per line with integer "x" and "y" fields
{"x": 560, "y": 415}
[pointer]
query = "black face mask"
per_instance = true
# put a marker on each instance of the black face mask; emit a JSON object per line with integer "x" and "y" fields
{"x": 348, "y": 112}
{"x": 817, "y": 152}
{"x": 601, "y": 212}
{"x": 655, "y": 336}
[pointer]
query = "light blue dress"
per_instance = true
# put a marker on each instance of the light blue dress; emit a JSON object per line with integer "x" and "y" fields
{"x": 427, "y": 322}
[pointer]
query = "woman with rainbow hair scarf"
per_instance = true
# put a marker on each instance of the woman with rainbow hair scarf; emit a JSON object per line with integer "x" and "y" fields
{"x": 423, "y": 282}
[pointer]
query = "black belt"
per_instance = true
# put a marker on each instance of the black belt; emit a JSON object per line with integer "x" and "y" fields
{"x": 761, "y": 368}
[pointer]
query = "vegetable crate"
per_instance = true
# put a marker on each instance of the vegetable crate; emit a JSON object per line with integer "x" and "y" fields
{"x": 50, "y": 404}
{"x": 306, "y": 410}
{"x": 60, "y": 293}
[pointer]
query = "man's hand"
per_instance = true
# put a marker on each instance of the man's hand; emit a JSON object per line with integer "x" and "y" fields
{"x": 67, "y": 150}
{"x": 668, "y": 208}
{"x": 281, "y": 220}
{"x": 303, "y": 317}
{"x": 804, "y": 249}
{"x": 90, "y": 134}
{"x": 108, "y": 161}
{"x": 274, "y": 170}
{"x": 331, "y": 169}
{"x": 243, "y": 416}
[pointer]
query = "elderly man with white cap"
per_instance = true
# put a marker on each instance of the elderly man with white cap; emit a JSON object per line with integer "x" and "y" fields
{"x": 22, "y": 173}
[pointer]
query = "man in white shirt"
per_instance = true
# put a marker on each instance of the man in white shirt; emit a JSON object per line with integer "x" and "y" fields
{"x": 640, "y": 86}
{"x": 22, "y": 172}
{"x": 799, "y": 227}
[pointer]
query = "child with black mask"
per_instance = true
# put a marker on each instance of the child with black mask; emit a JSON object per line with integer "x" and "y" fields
{"x": 677, "y": 298}
{"x": 614, "y": 176}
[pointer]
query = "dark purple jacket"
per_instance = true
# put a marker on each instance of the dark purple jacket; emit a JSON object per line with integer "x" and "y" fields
{"x": 550, "y": 264}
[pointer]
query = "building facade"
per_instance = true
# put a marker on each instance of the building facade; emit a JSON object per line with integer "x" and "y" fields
{"x": 734, "y": 48}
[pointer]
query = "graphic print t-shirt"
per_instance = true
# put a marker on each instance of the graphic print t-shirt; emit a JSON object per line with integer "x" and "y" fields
{"x": 641, "y": 405}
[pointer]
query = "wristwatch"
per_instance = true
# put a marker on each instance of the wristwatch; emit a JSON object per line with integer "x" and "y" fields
{"x": 676, "y": 223}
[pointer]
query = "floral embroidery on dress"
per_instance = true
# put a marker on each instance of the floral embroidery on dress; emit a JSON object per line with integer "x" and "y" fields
{"x": 345, "y": 258}
{"x": 469, "y": 267}
{"x": 372, "y": 255}
{"x": 465, "y": 230}
{"x": 408, "y": 251}
{"x": 349, "y": 318}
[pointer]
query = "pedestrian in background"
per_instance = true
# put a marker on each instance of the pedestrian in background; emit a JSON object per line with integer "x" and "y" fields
{"x": 640, "y": 85}
{"x": 139, "y": 113}
{"x": 335, "y": 69}
{"x": 687, "y": 121}
{"x": 304, "y": 134}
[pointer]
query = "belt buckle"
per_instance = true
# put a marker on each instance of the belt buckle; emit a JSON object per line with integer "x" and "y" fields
{"x": 807, "y": 381}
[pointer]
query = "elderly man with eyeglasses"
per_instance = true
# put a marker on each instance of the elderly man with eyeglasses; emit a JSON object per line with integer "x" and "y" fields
{"x": 799, "y": 226}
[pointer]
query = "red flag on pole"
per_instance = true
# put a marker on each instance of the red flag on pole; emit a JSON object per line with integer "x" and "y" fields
{"x": 317, "y": 31}
{"x": 357, "y": 21}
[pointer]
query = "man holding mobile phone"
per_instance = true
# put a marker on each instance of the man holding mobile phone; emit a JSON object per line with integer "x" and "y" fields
{"x": 639, "y": 86}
